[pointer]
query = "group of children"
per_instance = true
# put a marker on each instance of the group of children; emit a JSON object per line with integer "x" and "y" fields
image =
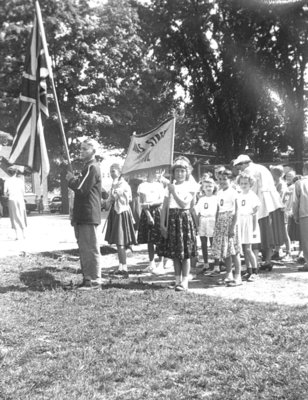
{"x": 223, "y": 211}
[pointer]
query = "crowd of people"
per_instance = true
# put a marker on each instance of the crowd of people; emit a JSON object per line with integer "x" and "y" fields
{"x": 248, "y": 210}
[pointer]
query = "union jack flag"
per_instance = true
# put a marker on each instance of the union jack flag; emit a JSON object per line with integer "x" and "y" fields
{"x": 29, "y": 147}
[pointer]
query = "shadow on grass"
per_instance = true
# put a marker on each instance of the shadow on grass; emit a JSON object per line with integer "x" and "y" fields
{"x": 133, "y": 285}
{"x": 12, "y": 288}
{"x": 39, "y": 280}
{"x": 74, "y": 253}
{"x": 70, "y": 270}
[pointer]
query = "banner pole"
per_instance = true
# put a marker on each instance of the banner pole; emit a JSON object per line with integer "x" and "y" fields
{"x": 44, "y": 42}
{"x": 171, "y": 162}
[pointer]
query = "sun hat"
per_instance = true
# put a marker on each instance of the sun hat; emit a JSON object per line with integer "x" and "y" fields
{"x": 242, "y": 159}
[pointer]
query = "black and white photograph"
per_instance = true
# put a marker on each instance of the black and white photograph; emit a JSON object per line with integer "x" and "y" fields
{"x": 154, "y": 199}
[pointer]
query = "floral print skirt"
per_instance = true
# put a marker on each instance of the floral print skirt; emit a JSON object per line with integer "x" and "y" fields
{"x": 223, "y": 245}
{"x": 181, "y": 240}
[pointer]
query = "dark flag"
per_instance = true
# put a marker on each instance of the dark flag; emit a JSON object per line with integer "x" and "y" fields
{"x": 29, "y": 148}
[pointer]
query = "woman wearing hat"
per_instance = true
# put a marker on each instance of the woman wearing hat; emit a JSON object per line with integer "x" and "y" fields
{"x": 177, "y": 227}
{"x": 14, "y": 190}
{"x": 270, "y": 214}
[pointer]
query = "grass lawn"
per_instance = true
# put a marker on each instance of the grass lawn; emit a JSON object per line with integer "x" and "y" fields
{"x": 136, "y": 341}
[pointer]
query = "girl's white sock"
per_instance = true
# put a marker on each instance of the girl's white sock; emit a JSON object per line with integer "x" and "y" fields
{"x": 185, "y": 282}
{"x": 177, "y": 279}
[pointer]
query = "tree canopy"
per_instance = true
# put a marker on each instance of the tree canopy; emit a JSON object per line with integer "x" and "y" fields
{"x": 233, "y": 71}
{"x": 242, "y": 64}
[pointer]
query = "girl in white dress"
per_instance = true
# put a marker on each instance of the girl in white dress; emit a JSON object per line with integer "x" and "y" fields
{"x": 248, "y": 205}
{"x": 204, "y": 214}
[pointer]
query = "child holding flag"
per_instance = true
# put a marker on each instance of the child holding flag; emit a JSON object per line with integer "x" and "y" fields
{"x": 177, "y": 227}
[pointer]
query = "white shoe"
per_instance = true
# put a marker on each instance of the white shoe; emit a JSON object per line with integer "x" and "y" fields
{"x": 90, "y": 285}
{"x": 253, "y": 277}
{"x": 160, "y": 265}
{"x": 159, "y": 270}
{"x": 119, "y": 270}
{"x": 184, "y": 283}
{"x": 214, "y": 273}
{"x": 205, "y": 267}
{"x": 150, "y": 267}
{"x": 287, "y": 258}
{"x": 229, "y": 277}
{"x": 169, "y": 264}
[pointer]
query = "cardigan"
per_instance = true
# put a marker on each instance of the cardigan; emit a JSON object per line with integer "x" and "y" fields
{"x": 88, "y": 193}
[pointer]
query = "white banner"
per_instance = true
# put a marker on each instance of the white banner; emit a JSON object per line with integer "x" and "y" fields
{"x": 150, "y": 150}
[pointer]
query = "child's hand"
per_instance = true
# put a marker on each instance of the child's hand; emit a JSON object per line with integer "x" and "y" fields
{"x": 231, "y": 233}
{"x": 171, "y": 188}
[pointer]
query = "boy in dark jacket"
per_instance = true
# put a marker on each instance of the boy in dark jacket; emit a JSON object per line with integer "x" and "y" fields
{"x": 87, "y": 214}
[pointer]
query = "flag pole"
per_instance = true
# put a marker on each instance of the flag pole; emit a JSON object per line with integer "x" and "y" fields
{"x": 44, "y": 43}
{"x": 171, "y": 162}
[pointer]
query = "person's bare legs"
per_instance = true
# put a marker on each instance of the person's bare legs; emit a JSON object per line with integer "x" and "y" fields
{"x": 185, "y": 272}
{"x": 122, "y": 257}
{"x": 177, "y": 271}
{"x": 237, "y": 267}
{"x": 228, "y": 264}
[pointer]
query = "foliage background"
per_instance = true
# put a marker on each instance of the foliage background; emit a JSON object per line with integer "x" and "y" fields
{"x": 232, "y": 71}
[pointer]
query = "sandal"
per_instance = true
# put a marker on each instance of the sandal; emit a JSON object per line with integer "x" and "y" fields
{"x": 224, "y": 281}
{"x": 180, "y": 288}
{"x": 234, "y": 283}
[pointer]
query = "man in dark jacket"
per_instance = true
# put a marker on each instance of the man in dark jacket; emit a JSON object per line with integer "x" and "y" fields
{"x": 87, "y": 214}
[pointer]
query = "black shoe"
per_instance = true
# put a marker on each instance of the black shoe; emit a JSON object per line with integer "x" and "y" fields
{"x": 266, "y": 266}
{"x": 275, "y": 256}
{"x": 246, "y": 276}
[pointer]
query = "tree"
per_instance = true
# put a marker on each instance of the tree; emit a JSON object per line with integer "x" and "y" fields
{"x": 107, "y": 84}
{"x": 231, "y": 56}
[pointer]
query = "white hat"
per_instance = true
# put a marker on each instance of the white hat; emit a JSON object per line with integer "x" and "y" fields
{"x": 241, "y": 159}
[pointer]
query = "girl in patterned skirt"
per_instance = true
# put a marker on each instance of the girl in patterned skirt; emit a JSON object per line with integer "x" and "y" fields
{"x": 177, "y": 227}
{"x": 120, "y": 225}
{"x": 151, "y": 195}
{"x": 226, "y": 241}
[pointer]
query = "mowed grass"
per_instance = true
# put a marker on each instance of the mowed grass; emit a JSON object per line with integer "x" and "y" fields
{"x": 134, "y": 341}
